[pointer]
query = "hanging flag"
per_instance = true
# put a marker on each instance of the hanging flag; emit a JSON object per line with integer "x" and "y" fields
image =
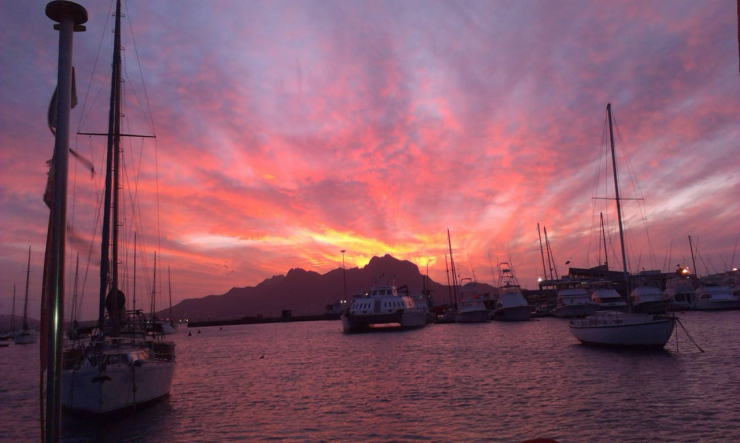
{"x": 51, "y": 115}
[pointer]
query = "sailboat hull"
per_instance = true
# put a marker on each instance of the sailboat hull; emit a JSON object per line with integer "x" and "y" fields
{"x": 617, "y": 329}
{"x": 116, "y": 387}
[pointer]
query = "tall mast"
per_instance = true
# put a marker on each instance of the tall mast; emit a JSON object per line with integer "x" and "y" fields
{"x": 603, "y": 235}
{"x": 449, "y": 285}
{"x": 542, "y": 253}
{"x": 452, "y": 265}
{"x": 619, "y": 207}
{"x": 25, "y": 304}
{"x": 134, "y": 290}
{"x": 550, "y": 256}
{"x": 12, "y": 318}
{"x": 73, "y": 313}
{"x": 109, "y": 256}
{"x": 169, "y": 289}
{"x": 154, "y": 286}
{"x": 693, "y": 261}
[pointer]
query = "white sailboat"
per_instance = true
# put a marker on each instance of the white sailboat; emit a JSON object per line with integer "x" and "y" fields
{"x": 511, "y": 304}
{"x": 26, "y": 336}
{"x": 123, "y": 366}
{"x": 619, "y": 329}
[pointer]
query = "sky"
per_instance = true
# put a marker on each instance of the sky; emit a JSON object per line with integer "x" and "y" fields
{"x": 289, "y": 131}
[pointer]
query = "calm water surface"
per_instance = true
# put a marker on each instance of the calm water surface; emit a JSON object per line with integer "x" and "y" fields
{"x": 458, "y": 382}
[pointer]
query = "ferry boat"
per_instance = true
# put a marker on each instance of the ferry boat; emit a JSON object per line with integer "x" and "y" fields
{"x": 383, "y": 306}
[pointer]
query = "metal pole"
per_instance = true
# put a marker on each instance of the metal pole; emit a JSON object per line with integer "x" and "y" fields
{"x": 344, "y": 274}
{"x": 69, "y": 16}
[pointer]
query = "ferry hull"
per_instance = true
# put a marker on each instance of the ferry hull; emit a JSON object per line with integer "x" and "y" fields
{"x": 407, "y": 319}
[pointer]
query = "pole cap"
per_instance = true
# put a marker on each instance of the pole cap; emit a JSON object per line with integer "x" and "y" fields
{"x": 58, "y": 9}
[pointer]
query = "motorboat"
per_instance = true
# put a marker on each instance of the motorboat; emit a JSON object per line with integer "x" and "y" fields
{"x": 470, "y": 306}
{"x": 383, "y": 306}
{"x": 606, "y": 297}
{"x": 649, "y": 298}
{"x": 573, "y": 301}
{"x": 709, "y": 297}
{"x": 511, "y": 304}
{"x": 680, "y": 292}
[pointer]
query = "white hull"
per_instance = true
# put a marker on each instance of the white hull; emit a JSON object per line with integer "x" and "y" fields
{"x": 513, "y": 313}
{"x": 117, "y": 387}
{"x": 25, "y": 338}
{"x": 623, "y": 330}
{"x": 408, "y": 319}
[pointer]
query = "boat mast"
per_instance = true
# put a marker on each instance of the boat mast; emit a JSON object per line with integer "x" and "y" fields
{"x": 693, "y": 261}
{"x": 73, "y": 313}
{"x": 169, "y": 289}
{"x": 25, "y": 304}
{"x": 12, "y": 317}
{"x": 550, "y": 256}
{"x": 134, "y": 290}
{"x": 603, "y": 235}
{"x": 154, "y": 286}
{"x": 109, "y": 255}
{"x": 449, "y": 286}
{"x": 452, "y": 265}
{"x": 542, "y": 253}
{"x": 619, "y": 208}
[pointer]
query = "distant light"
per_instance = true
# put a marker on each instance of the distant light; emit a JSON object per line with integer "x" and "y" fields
{"x": 734, "y": 269}
{"x": 539, "y": 279}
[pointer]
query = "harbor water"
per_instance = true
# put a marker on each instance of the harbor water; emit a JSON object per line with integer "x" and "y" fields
{"x": 499, "y": 382}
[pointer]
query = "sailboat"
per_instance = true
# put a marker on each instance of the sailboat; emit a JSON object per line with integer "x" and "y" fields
{"x": 26, "y": 336}
{"x": 122, "y": 366}
{"x": 620, "y": 329}
{"x": 10, "y": 334}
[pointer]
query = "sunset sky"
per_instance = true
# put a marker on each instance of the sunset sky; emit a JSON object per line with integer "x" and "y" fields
{"x": 289, "y": 131}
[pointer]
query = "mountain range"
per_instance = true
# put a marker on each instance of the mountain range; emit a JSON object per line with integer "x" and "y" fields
{"x": 307, "y": 292}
